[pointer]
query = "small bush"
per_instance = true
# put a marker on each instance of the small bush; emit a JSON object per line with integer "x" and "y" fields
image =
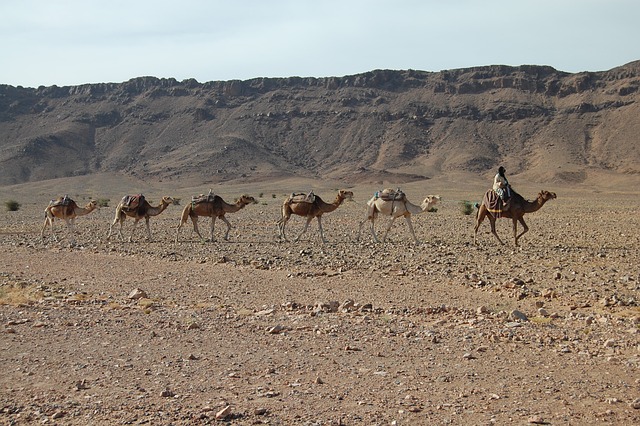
{"x": 432, "y": 210}
{"x": 260, "y": 195}
{"x": 273, "y": 195}
{"x": 12, "y": 205}
{"x": 466, "y": 207}
{"x": 103, "y": 202}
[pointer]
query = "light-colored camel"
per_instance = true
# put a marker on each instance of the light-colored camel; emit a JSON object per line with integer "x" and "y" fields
{"x": 395, "y": 209}
{"x": 143, "y": 211}
{"x": 66, "y": 209}
{"x": 215, "y": 208}
{"x": 518, "y": 207}
{"x": 310, "y": 210}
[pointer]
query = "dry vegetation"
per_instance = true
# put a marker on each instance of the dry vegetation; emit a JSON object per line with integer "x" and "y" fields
{"x": 337, "y": 333}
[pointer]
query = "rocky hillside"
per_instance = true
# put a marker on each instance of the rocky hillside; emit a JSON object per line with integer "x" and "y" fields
{"x": 402, "y": 125}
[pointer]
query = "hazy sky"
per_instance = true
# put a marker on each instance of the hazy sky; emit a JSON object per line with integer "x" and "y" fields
{"x": 71, "y": 42}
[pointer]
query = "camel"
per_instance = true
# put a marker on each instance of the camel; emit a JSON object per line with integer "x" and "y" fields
{"x": 66, "y": 209}
{"x": 395, "y": 208}
{"x": 517, "y": 208}
{"x": 138, "y": 209}
{"x": 214, "y": 207}
{"x": 309, "y": 206}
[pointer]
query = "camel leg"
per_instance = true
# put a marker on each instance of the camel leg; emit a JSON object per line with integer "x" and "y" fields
{"x": 525, "y": 229}
{"x": 479, "y": 219}
{"x": 71, "y": 230}
{"x": 53, "y": 233}
{"x": 194, "y": 222}
{"x": 371, "y": 215}
{"x": 281, "y": 225}
{"x": 492, "y": 221}
{"x": 213, "y": 226}
{"x": 146, "y": 222}
{"x": 360, "y": 229}
{"x": 117, "y": 219}
{"x": 320, "y": 228}
{"x": 178, "y": 230}
{"x": 225, "y": 220}
{"x": 120, "y": 233}
{"x": 48, "y": 221}
{"x": 482, "y": 213}
{"x": 306, "y": 225}
{"x": 44, "y": 227}
{"x": 373, "y": 229}
{"x": 410, "y": 225}
{"x": 133, "y": 230}
{"x": 110, "y": 229}
{"x": 384, "y": 237}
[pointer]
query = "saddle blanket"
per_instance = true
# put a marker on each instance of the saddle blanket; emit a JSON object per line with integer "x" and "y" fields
{"x": 493, "y": 203}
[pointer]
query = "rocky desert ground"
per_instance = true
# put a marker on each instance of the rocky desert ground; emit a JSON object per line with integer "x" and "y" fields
{"x": 261, "y": 331}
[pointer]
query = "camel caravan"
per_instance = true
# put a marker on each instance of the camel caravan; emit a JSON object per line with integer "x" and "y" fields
{"x": 387, "y": 203}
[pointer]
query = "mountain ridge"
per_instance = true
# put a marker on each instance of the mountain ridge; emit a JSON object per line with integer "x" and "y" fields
{"x": 400, "y": 125}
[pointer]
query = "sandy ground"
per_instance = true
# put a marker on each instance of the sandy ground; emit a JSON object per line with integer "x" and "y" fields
{"x": 261, "y": 331}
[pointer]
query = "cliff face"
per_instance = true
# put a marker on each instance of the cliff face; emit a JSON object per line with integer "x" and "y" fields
{"x": 405, "y": 124}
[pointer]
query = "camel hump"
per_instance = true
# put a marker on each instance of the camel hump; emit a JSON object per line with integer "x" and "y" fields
{"x": 390, "y": 194}
{"x": 301, "y": 197}
{"x": 61, "y": 201}
{"x": 131, "y": 202}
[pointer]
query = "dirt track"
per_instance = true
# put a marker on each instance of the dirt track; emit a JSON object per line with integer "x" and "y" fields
{"x": 429, "y": 336}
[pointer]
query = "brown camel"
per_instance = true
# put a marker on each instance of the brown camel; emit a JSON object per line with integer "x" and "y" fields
{"x": 309, "y": 206}
{"x": 66, "y": 209}
{"x": 395, "y": 209}
{"x": 214, "y": 207}
{"x": 518, "y": 207}
{"x": 138, "y": 208}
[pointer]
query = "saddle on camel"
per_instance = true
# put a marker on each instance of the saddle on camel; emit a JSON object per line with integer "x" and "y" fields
{"x": 494, "y": 203}
{"x": 132, "y": 202}
{"x": 201, "y": 198}
{"x": 61, "y": 201}
{"x": 301, "y": 197}
{"x": 389, "y": 194}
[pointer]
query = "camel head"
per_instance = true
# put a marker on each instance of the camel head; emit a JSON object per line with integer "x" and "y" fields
{"x": 343, "y": 194}
{"x": 546, "y": 196}
{"x": 92, "y": 205}
{"x": 430, "y": 201}
{"x": 166, "y": 200}
{"x": 246, "y": 199}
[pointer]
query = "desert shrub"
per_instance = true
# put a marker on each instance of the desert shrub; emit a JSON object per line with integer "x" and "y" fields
{"x": 273, "y": 195}
{"x": 12, "y": 205}
{"x": 103, "y": 202}
{"x": 466, "y": 207}
{"x": 432, "y": 210}
{"x": 260, "y": 195}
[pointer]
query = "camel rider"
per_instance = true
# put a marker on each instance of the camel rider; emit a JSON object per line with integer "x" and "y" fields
{"x": 502, "y": 187}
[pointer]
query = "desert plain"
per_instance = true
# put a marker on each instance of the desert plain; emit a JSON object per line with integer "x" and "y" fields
{"x": 256, "y": 330}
